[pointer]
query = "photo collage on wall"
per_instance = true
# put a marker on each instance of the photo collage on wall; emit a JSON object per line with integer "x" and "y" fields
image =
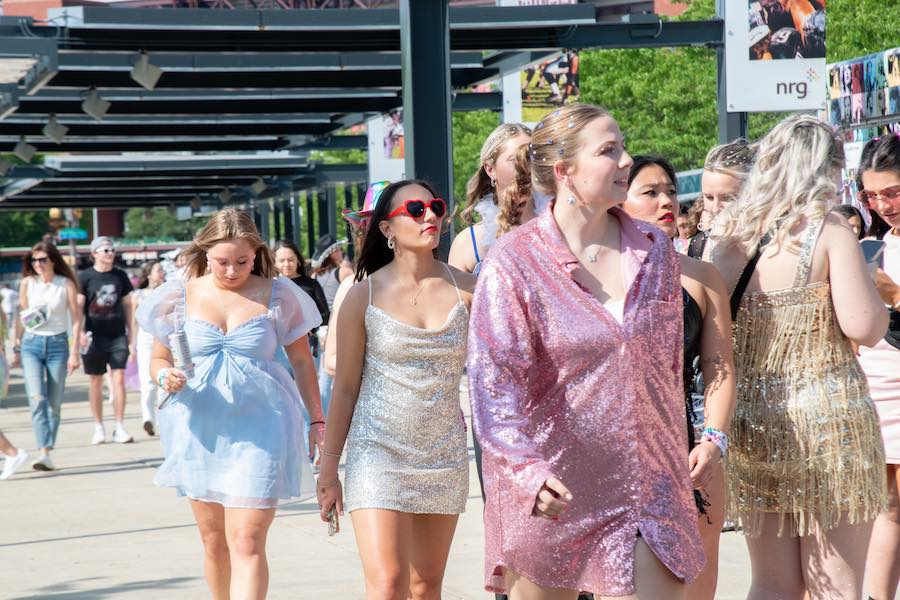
{"x": 864, "y": 94}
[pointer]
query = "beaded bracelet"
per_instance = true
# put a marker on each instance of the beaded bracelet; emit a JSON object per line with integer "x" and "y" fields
{"x": 161, "y": 377}
{"x": 717, "y": 437}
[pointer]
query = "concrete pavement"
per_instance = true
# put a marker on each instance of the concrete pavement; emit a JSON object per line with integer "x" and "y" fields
{"x": 97, "y": 528}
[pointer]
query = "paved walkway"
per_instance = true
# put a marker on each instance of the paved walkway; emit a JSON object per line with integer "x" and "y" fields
{"x": 98, "y": 528}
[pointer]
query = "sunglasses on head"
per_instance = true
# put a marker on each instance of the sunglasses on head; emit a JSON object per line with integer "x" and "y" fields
{"x": 416, "y": 208}
{"x": 40, "y": 261}
{"x": 890, "y": 195}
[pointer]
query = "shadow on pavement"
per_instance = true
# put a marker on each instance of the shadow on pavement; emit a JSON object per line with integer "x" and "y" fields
{"x": 59, "y": 591}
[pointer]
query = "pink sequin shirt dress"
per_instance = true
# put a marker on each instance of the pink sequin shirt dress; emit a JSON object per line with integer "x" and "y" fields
{"x": 560, "y": 388}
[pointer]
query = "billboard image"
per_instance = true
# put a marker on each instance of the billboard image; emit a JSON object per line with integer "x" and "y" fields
{"x": 786, "y": 29}
{"x": 864, "y": 94}
{"x": 549, "y": 85}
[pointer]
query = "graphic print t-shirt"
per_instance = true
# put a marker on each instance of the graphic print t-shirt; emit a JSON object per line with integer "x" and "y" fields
{"x": 103, "y": 292}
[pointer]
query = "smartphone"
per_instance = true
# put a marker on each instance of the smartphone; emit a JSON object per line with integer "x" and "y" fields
{"x": 334, "y": 524}
{"x": 873, "y": 252}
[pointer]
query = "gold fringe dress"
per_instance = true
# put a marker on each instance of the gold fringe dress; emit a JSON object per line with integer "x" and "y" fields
{"x": 805, "y": 440}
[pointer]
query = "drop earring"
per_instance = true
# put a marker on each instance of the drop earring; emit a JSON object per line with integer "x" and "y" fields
{"x": 391, "y": 244}
{"x": 571, "y": 200}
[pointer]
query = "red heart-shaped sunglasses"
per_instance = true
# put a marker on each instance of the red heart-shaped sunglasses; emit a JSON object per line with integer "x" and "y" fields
{"x": 416, "y": 208}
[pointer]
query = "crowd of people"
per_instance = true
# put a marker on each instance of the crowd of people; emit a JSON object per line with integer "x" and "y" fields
{"x": 637, "y": 373}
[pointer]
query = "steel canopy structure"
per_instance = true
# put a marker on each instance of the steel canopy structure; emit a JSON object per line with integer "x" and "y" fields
{"x": 251, "y": 92}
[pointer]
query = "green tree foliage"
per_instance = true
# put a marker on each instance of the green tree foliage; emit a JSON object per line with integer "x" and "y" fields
{"x": 159, "y": 223}
{"x": 22, "y": 228}
{"x": 470, "y": 129}
{"x": 859, "y": 27}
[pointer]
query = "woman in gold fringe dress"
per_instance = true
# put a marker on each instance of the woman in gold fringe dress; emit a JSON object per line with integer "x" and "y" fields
{"x": 805, "y": 475}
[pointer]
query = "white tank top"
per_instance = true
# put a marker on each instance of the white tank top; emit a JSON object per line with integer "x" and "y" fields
{"x": 53, "y": 298}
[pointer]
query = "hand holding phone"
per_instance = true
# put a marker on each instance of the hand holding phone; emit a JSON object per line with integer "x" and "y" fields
{"x": 873, "y": 252}
{"x": 334, "y": 523}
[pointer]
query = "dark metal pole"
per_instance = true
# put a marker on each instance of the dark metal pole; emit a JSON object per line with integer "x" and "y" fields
{"x": 425, "y": 60}
{"x": 276, "y": 217}
{"x": 310, "y": 225}
{"x": 324, "y": 198}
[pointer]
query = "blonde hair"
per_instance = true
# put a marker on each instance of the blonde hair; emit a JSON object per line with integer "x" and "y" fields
{"x": 556, "y": 139}
{"x": 734, "y": 158}
{"x": 479, "y": 184}
{"x": 516, "y": 194}
{"x": 227, "y": 225}
{"x": 792, "y": 179}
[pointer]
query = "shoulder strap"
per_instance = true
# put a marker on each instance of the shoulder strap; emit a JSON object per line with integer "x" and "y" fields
{"x": 746, "y": 274}
{"x": 369, "y": 278}
{"x": 801, "y": 275}
{"x": 453, "y": 279}
{"x": 474, "y": 243}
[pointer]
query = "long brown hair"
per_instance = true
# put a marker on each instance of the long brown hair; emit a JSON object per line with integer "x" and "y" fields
{"x": 59, "y": 265}
{"x": 517, "y": 194}
{"x": 479, "y": 184}
{"x": 226, "y": 225}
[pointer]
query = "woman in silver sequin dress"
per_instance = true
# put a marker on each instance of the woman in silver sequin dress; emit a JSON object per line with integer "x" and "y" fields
{"x": 400, "y": 356}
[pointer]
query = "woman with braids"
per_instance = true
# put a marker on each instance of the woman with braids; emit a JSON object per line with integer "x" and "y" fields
{"x": 806, "y": 462}
{"x": 652, "y": 197}
{"x": 484, "y": 193}
{"x": 401, "y": 350}
{"x": 587, "y": 487}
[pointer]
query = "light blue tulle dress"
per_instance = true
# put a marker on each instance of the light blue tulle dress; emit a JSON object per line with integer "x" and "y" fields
{"x": 234, "y": 434}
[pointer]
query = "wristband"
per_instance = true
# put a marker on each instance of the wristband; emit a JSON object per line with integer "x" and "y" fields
{"x": 334, "y": 454}
{"x": 717, "y": 437}
{"x": 161, "y": 377}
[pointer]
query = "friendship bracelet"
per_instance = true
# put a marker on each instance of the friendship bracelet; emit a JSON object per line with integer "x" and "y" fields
{"x": 334, "y": 454}
{"x": 161, "y": 377}
{"x": 717, "y": 437}
{"x": 316, "y": 423}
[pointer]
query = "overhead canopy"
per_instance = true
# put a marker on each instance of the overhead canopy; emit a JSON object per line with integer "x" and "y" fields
{"x": 245, "y": 81}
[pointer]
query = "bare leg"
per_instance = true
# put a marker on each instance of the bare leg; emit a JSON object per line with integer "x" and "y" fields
{"x": 834, "y": 561}
{"x": 704, "y": 587}
{"x": 216, "y": 564}
{"x": 95, "y": 394}
{"x": 652, "y": 579}
{"x": 883, "y": 564}
{"x": 117, "y": 382}
{"x": 246, "y": 530}
{"x": 775, "y": 563}
{"x": 6, "y": 446}
{"x": 383, "y": 538}
{"x": 429, "y": 547}
{"x": 520, "y": 588}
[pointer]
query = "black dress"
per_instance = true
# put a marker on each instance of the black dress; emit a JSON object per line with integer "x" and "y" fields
{"x": 315, "y": 291}
{"x": 693, "y": 330}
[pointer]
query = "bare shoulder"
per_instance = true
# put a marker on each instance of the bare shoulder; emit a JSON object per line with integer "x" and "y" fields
{"x": 465, "y": 282}
{"x": 704, "y": 273}
{"x": 356, "y": 300}
{"x": 836, "y": 227}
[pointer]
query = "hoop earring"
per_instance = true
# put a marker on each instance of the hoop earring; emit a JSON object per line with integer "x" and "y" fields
{"x": 391, "y": 244}
{"x": 494, "y": 183}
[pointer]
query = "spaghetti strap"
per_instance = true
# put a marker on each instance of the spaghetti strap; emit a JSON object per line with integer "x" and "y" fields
{"x": 474, "y": 243}
{"x": 453, "y": 279}
{"x": 369, "y": 279}
{"x": 801, "y": 276}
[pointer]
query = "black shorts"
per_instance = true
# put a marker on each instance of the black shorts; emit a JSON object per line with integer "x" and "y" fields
{"x": 105, "y": 351}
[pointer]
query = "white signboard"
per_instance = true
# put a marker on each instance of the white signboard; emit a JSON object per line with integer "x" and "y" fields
{"x": 775, "y": 55}
{"x": 385, "y": 144}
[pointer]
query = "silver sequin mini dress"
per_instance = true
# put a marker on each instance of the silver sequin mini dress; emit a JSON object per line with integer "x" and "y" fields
{"x": 406, "y": 449}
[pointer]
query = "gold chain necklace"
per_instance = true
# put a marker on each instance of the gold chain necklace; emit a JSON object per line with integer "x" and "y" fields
{"x": 414, "y": 299}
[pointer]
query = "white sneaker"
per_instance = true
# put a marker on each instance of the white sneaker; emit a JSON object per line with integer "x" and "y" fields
{"x": 12, "y": 464}
{"x": 99, "y": 436}
{"x": 43, "y": 464}
{"x": 120, "y": 436}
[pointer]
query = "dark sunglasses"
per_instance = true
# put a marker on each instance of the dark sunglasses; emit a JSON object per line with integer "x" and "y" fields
{"x": 868, "y": 197}
{"x": 40, "y": 261}
{"x": 106, "y": 250}
{"x": 416, "y": 208}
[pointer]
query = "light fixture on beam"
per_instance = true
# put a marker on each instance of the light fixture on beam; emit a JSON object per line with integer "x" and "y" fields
{"x": 146, "y": 73}
{"x": 225, "y": 195}
{"x": 24, "y": 150}
{"x": 55, "y": 130}
{"x": 258, "y": 186}
{"x": 196, "y": 203}
{"x": 4, "y": 167}
{"x": 94, "y": 105}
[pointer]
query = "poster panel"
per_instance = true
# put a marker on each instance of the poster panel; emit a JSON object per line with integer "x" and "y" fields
{"x": 775, "y": 56}
{"x": 386, "y": 148}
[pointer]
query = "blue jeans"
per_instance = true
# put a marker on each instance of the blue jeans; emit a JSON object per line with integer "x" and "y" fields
{"x": 44, "y": 361}
{"x": 325, "y": 383}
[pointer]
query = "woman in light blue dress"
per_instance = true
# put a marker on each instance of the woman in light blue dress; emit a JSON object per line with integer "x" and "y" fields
{"x": 232, "y": 434}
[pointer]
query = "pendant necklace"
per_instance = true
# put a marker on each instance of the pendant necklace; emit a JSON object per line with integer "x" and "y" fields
{"x": 414, "y": 299}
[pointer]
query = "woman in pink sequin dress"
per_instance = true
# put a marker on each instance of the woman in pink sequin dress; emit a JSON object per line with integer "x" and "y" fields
{"x": 576, "y": 386}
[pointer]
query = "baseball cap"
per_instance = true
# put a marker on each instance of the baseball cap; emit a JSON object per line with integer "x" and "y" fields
{"x": 100, "y": 242}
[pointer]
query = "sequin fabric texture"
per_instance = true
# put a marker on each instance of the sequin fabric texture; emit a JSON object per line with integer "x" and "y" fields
{"x": 805, "y": 439}
{"x": 560, "y": 388}
{"x": 406, "y": 449}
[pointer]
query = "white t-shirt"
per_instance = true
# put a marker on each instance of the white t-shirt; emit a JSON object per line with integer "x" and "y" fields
{"x": 10, "y": 301}
{"x": 53, "y": 298}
